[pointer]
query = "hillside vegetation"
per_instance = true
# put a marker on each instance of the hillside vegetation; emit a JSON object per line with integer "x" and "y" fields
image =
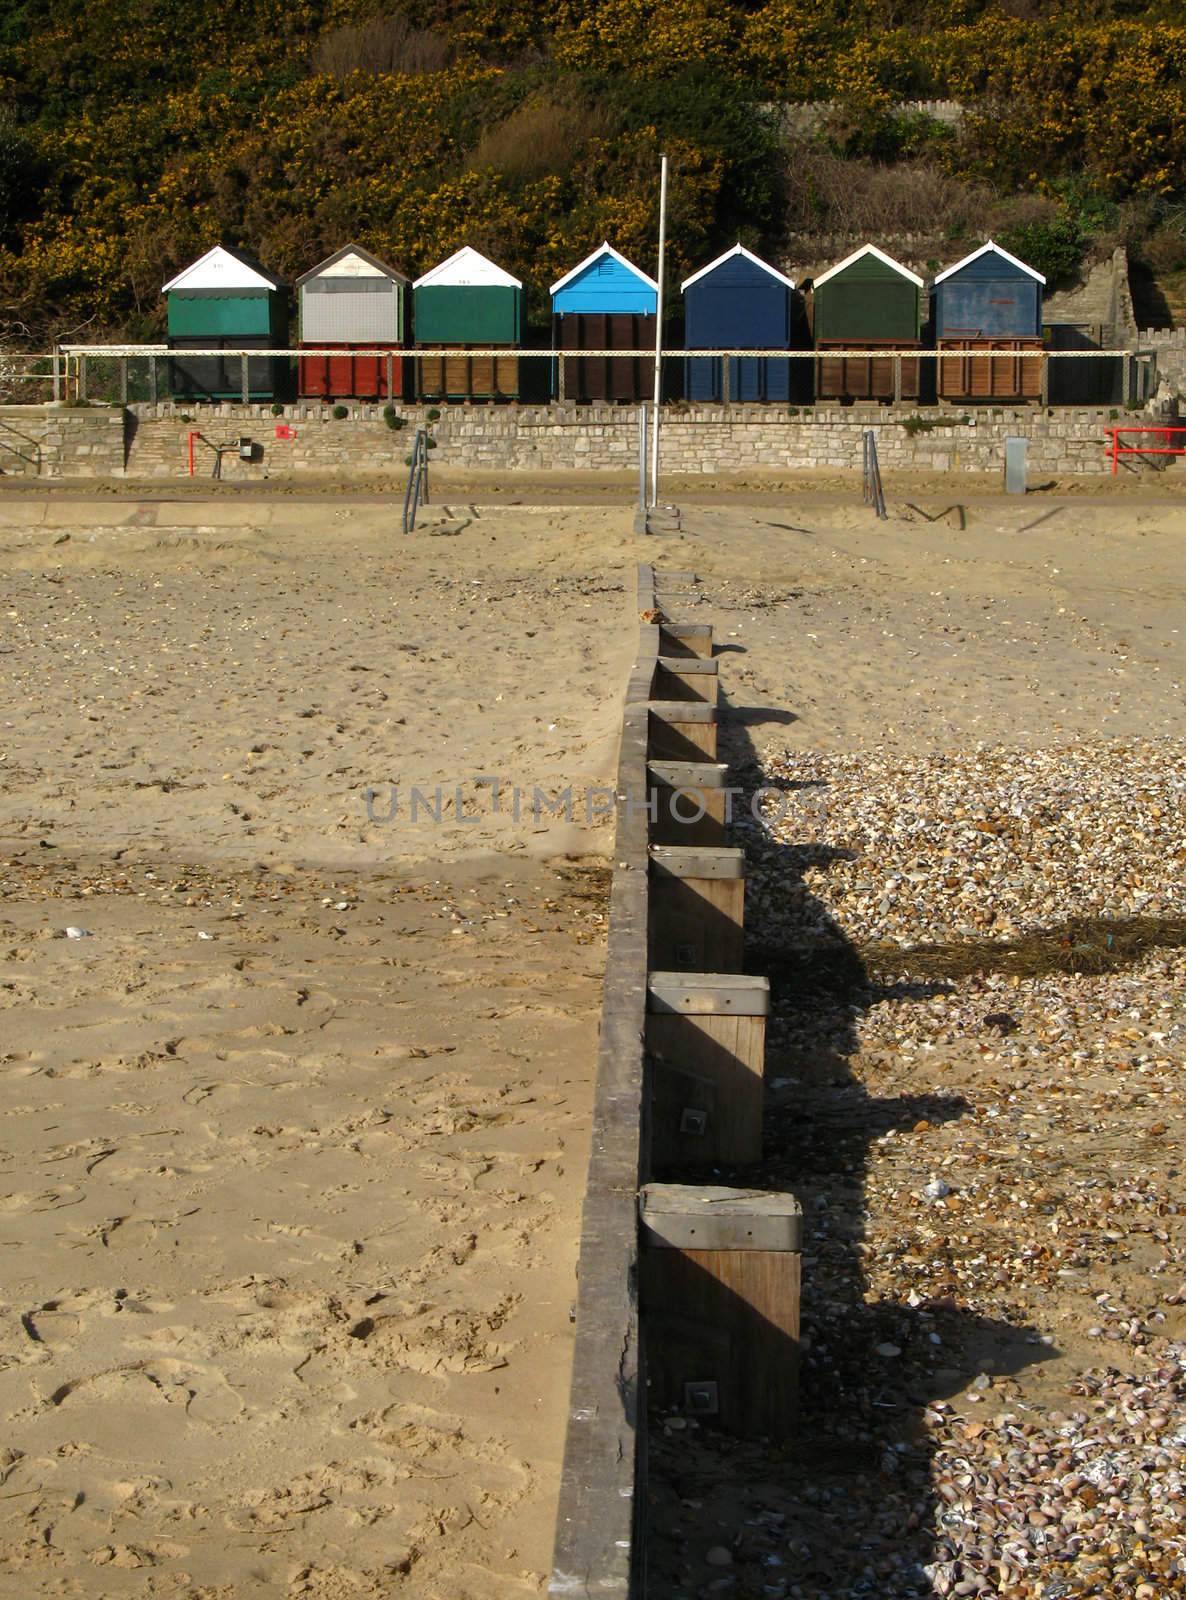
{"x": 136, "y": 133}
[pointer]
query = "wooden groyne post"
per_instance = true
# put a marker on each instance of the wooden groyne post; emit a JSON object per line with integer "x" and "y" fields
{"x": 690, "y": 1290}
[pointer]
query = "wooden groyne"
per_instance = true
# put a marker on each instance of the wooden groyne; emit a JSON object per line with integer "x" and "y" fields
{"x": 688, "y": 1296}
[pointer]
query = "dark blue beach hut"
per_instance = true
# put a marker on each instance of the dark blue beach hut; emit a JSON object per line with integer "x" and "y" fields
{"x": 987, "y": 308}
{"x": 737, "y": 302}
{"x": 604, "y": 303}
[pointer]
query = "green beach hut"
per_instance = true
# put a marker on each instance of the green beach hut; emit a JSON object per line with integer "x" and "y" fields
{"x": 869, "y": 302}
{"x": 463, "y": 304}
{"x": 226, "y": 301}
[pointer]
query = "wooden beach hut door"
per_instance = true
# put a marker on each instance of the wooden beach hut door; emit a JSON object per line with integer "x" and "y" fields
{"x": 604, "y": 377}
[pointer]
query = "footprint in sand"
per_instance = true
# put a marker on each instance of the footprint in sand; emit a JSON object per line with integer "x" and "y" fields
{"x": 439, "y": 1343}
{"x": 200, "y": 1392}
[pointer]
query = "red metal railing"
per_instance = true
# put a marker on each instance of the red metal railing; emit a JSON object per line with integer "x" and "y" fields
{"x": 1165, "y": 448}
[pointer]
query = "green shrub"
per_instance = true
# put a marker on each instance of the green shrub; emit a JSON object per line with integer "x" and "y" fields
{"x": 340, "y": 412}
{"x": 1054, "y": 248}
{"x": 432, "y": 414}
{"x": 393, "y": 419}
{"x": 277, "y": 409}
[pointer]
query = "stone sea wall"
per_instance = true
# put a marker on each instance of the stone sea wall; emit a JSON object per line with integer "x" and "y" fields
{"x": 149, "y": 443}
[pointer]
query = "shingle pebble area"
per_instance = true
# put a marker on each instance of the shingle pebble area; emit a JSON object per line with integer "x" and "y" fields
{"x": 975, "y": 1070}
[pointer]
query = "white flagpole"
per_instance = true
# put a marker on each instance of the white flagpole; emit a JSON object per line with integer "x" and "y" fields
{"x": 659, "y": 330}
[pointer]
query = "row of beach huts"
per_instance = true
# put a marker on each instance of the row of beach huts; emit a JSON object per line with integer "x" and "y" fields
{"x": 361, "y": 319}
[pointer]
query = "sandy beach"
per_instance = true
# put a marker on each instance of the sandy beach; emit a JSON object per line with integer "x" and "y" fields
{"x": 296, "y": 1126}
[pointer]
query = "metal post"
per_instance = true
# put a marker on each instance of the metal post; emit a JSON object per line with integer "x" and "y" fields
{"x": 642, "y": 457}
{"x": 1015, "y": 466}
{"x": 82, "y": 378}
{"x": 152, "y": 380}
{"x": 726, "y": 387}
{"x": 243, "y": 377}
{"x": 560, "y": 378}
{"x": 1128, "y": 385}
{"x": 390, "y": 376}
{"x": 1044, "y": 379}
{"x": 897, "y": 380}
{"x": 659, "y": 330}
{"x": 57, "y": 378}
{"x": 123, "y": 380}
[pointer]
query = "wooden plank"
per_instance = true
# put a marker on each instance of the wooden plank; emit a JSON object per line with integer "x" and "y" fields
{"x": 692, "y": 774}
{"x": 683, "y": 861}
{"x": 967, "y": 369}
{"x": 723, "y": 1336}
{"x": 682, "y": 731}
{"x": 690, "y": 666}
{"x": 697, "y": 683}
{"x": 681, "y": 711}
{"x": 697, "y": 923}
{"x": 686, "y": 638}
{"x": 706, "y": 1088}
{"x": 703, "y": 994}
{"x": 688, "y": 810}
{"x": 686, "y": 1216}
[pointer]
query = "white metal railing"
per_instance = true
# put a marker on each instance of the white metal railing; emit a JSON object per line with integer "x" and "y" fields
{"x": 72, "y": 373}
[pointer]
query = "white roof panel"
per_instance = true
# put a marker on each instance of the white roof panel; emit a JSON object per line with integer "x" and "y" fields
{"x": 222, "y": 269}
{"x": 467, "y": 268}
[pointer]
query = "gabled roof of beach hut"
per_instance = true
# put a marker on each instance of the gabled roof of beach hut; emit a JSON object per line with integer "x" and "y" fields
{"x": 467, "y": 268}
{"x": 601, "y": 259}
{"x": 868, "y": 250}
{"x": 984, "y": 250}
{"x": 352, "y": 261}
{"x": 228, "y": 270}
{"x": 738, "y": 250}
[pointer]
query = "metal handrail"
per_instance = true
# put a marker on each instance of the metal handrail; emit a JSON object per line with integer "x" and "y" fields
{"x": 1165, "y": 432}
{"x": 416, "y": 494}
{"x": 33, "y": 460}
